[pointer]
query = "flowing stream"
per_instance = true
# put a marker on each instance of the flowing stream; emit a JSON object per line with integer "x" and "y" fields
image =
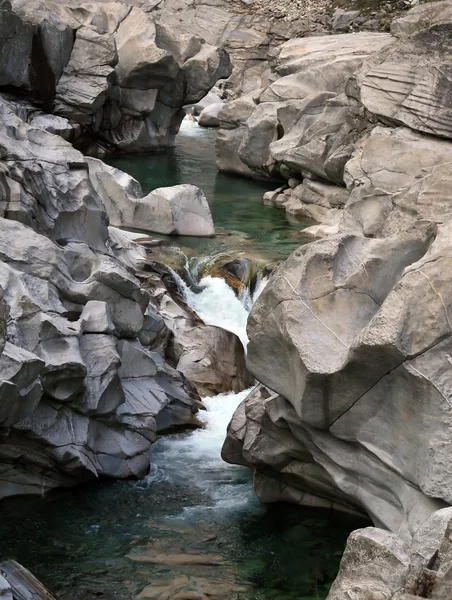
{"x": 193, "y": 529}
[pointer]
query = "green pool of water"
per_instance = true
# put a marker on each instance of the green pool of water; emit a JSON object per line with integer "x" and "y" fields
{"x": 97, "y": 541}
{"x": 235, "y": 202}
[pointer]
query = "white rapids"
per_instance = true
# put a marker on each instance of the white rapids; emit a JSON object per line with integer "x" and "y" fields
{"x": 195, "y": 458}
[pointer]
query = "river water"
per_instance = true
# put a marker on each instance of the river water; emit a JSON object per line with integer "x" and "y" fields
{"x": 235, "y": 202}
{"x": 193, "y": 529}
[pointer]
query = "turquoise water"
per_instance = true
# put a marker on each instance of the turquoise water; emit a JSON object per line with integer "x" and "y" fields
{"x": 235, "y": 202}
{"x": 81, "y": 541}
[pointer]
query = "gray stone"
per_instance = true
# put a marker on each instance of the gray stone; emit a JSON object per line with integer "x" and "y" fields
{"x": 79, "y": 396}
{"x": 373, "y": 566}
{"x": 345, "y": 19}
{"x": 365, "y": 358}
{"x": 57, "y": 125}
{"x": 96, "y": 318}
{"x": 83, "y": 87}
{"x": 409, "y": 82}
{"x": 176, "y": 210}
{"x": 393, "y": 177}
{"x": 209, "y": 115}
{"x": 6, "y": 592}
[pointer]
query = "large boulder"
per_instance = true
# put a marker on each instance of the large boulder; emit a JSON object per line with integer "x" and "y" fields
{"x": 330, "y": 335}
{"x": 351, "y": 336}
{"x": 299, "y": 124}
{"x": 397, "y": 177}
{"x": 208, "y": 117}
{"x": 177, "y": 210}
{"x": 380, "y": 565}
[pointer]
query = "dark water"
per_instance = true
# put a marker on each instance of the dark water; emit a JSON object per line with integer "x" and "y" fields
{"x": 193, "y": 529}
{"x": 104, "y": 538}
{"x": 235, "y": 202}
{"x": 193, "y": 525}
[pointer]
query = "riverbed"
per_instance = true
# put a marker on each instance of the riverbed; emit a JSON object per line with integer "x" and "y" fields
{"x": 193, "y": 529}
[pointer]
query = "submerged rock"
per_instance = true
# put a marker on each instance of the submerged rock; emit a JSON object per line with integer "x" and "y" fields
{"x": 239, "y": 272}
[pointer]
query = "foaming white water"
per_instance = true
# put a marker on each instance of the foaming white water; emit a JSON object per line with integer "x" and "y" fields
{"x": 217, "y": 305}
{"x": 194, "y": 459}
{"x": 260, "y": 286}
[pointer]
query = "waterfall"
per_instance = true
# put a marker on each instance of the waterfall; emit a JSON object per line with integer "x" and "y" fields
{"x": 193, "y": 459}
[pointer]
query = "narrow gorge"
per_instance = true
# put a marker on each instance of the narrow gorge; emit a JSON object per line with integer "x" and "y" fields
{"x": 225, "y": 308}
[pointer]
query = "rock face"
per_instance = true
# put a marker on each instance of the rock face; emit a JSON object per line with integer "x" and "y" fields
{"x": 248, "y": 36}
{"x": 298, "y": 124}
{"x": 378, "y": 564}
{"x": 350, "y": 340}
{"x": 103, "y": 66}
{"x": 84, "y": 385}
{"x": 409, "y": 83}
{"x": 176, "y": 210}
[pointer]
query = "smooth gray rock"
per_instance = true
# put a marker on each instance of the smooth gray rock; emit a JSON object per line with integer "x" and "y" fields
{"x": 208, "y": 117}
{"x": 57, "y": 125}
{"x": 176, "y": 210}
{"x": 397, "y": 177}
{"x": 213, "y": 97}
{"x": 316, "y": 138}
{"x": 344, "y": 319}
{"x": 96, "y": 318}
{"x": 321, "y": 64}
{"x": 374, "y": 565}
{"x": 408, "y": 82}
{"x": 301, "y": 123}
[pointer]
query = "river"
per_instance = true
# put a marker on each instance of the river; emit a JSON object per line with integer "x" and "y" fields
{"x": 193, "y": 529}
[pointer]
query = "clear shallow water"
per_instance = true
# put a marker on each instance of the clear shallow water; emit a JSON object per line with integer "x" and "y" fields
{"x": 193, "y": 525}
{"x": 235, "y": 202}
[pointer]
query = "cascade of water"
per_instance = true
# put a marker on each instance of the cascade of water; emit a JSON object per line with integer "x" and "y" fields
{"x": 194, "y": 458}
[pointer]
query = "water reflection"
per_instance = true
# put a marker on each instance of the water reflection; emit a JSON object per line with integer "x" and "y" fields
{"x": 236, "y": 202}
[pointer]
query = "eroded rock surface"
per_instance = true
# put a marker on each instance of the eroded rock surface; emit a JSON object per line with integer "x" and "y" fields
{"x": 105, "y": 67}
{"x": 84, "y": 383}
{"x": 175, "y": 210}
{"x": 351, "y": 337}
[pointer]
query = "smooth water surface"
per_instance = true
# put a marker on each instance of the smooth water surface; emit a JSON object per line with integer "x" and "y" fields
{"x": 235, "y": 202}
